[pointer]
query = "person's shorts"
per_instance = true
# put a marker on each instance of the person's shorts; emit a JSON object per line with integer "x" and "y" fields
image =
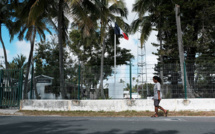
{"x": 156, "y": 103}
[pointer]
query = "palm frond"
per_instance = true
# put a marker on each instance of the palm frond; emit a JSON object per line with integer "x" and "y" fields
{"x": 135, "y": 25}
{"x": 146, "y": 29}
{"x": 21, "y": 33}
{"x": 122, "y": 12}
{"x": 121, "y": 23}
{"x": 37, "y": 9}
{"x": 41, "y": 34}
{"x": 29, "y": 33}
{"x": 142, "y": 6}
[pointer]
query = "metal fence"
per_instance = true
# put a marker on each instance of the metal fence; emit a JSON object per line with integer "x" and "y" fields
{"x": 10, "y": 88}
{"x": 84, "y": 82}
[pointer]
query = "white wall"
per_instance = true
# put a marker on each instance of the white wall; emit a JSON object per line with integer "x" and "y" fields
{"x": 41, "y": 91}
{"x": 118, "y": 105}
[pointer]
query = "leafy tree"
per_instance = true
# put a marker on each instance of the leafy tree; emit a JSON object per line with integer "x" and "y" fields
{"x": 58, "y": 10}
{"x": 196, "y": 28}
{"x": 47, "y": 63}
{"x": 88, "y": 52}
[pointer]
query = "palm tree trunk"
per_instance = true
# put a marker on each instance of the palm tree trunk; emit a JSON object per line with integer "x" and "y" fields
{"x": 161, "y": 48}
{"x": 181, "y": 52}
{"x": 95, "y": 86}
{"x": 102, "y": 74}
{"x": 4, "y": 49}
{"x": 35, "y": 89}
{"x": 28, "y": 64}
{"x": 60, "y": 43}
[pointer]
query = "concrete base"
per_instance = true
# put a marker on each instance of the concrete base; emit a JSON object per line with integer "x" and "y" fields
{"x": 8, "y": 111}
{"x": 118, "y": 105}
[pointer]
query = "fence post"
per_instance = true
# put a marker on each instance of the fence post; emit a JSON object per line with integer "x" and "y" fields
{"x": 1, "y": 87}
{"x": 185, "y": 81}
{"x": 20, "y": 87}
{"x": 79, "y": 78}
{"x": 130, "y": 81}
{"x": 32, "y": 77}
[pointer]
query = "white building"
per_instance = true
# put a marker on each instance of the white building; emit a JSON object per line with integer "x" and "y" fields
{"x": 126, "y": 95}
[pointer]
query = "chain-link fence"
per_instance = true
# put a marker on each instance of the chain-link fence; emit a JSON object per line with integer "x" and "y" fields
{"x": 128, "y": 81}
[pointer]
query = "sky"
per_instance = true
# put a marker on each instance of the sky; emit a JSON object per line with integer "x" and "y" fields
{"x": 16, "y": 47}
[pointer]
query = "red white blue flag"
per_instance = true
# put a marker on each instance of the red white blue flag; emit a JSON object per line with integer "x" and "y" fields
{"x": 118, "y": 31}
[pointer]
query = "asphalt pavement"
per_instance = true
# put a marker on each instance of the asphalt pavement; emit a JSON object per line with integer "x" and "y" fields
{"x": 106, "y": 125}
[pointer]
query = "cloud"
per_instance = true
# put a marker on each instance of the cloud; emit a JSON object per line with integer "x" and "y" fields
{"x": 1, "y": 53}
{"x": 23, "y": 47}
{"x": 20, "y": 47}
{"x": 2, "y": 56}
{"x": 131, "y": 15}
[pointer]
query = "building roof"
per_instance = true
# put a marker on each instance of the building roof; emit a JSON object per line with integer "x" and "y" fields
{"x": 44, "y": 76}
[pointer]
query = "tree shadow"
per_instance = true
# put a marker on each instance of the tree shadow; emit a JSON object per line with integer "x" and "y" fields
{"x": 42, "y": 127}
{"x": 143, "y": 131}
{"x": 64, "y": 126}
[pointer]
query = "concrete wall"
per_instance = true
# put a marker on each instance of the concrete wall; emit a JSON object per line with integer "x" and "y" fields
{"x": 118, "y": 105}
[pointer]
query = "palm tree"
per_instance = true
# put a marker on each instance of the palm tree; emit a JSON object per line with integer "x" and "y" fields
{"x": 107, "y": 14}
{"x": 142, "y": 23}
{"x": 145, "y": 23}
{"x": 79, "y": 9}
{"x": 151, "y": 16}
{"x": 29, "y": 29}
{"x": 61, "y": 42}
{"x": 102, "y": 11}
{"x": 57, "y": 11}
{"x": 5, "y": 19}
{"x": 19, "y": 61}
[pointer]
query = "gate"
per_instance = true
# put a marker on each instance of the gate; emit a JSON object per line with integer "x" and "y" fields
{"x": 10, "y": 88}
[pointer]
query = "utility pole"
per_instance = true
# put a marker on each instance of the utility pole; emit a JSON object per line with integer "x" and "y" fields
{"x": 181, "y": 49}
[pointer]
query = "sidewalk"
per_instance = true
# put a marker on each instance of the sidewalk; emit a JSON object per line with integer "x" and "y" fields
{"x": 16, "y": 112}
{"x": 10, "y": 112}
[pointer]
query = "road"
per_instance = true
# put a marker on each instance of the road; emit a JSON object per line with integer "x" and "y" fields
{"x": 106, "y": 125}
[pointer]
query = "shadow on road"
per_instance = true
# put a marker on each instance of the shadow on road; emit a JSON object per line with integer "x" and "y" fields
{"x": 65, "y": 127}
{"x": 143, "y": 131}
{"x": 41, "y": 127}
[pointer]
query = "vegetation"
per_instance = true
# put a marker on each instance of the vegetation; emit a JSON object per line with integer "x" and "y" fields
{"x": 197, "y": 25}
{"x": 85, "y": 34}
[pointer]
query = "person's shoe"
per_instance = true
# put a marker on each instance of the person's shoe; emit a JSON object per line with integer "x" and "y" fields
{"x": 166, "y": 113}
{"x": 155, "y": 115}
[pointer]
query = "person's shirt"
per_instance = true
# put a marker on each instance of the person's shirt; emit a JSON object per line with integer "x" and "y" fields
{"x": 157, "y": 87}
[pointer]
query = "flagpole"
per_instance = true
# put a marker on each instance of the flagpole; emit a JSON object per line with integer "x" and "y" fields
{"x": 114, "y": 64}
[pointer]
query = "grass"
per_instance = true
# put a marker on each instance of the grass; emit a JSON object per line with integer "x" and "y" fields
{"x": 114, "y": 114}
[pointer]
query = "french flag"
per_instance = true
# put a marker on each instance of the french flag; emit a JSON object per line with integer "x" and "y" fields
{"x": 118, "y": 31}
